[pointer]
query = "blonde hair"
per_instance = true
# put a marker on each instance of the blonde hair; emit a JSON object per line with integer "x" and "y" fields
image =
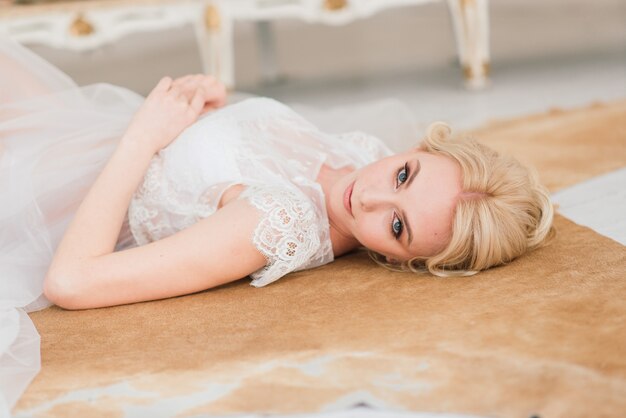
{"x": 502, "y": 213}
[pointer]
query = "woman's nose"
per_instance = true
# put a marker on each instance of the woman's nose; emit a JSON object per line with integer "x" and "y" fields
{"x": 372, "y": 199}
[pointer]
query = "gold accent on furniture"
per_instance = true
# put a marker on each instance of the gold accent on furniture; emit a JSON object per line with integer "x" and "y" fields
{"x": 212, "y": 18}
{"x": 467, "y": 3}
{"x": 333, "y": 5}
{"x": 467, "y": 71}
{"x": 486, "y": 68}
{"x": 80, "y": 26}
{"x": 469, "y": 74}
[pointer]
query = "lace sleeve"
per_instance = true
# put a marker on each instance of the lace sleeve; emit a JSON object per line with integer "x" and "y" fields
{"x": 287, "y": 233}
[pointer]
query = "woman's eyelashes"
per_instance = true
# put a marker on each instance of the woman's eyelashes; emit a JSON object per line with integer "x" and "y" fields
{"x": 402, "y": 175}
{"x": 396, "y": 224}
{"x": 396, "y": 227}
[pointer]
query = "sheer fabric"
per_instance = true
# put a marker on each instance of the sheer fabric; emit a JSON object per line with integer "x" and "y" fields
{"x": 288, "y": 234}
{"x": 55, "y": 138}
{"x": 257, "y": 142}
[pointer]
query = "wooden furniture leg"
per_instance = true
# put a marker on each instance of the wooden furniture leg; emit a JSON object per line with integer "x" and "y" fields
{"x": 214, "y": 33}
{"x": 471, "y": 27}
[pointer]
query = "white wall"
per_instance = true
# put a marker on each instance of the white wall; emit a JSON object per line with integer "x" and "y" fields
{"x": 401, "y": 40}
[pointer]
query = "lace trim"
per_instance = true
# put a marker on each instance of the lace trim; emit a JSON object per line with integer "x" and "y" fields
{"x": 287, "y": 233}
{"x": 159, "y": 208}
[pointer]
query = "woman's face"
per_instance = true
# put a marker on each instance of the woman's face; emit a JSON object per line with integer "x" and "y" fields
{"x": 401, "y": 206}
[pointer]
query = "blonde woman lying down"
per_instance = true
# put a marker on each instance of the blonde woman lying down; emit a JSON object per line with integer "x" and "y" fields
{"x": 115, "y": 198}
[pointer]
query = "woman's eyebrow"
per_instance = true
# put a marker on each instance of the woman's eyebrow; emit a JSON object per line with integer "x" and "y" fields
{"x": 408, "y": 183}
{"x": 414, "y": 172}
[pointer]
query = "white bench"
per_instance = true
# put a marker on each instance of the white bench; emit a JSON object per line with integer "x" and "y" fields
{"x": 88, "y": 24}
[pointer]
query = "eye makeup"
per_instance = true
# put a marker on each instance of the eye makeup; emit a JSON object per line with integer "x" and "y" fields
{"x": 404, "y": 176}
{"x": 397, "y": 225}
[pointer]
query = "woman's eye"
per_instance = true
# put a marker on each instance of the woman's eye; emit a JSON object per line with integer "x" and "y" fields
{"x": 396, "y": 227}
{"x": 403, "y": 174}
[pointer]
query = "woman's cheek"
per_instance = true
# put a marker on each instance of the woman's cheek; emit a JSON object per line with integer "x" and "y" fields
{"x": 371, "y": 235}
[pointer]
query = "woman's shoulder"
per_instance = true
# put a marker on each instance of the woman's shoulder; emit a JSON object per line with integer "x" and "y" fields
{"x": 292, "y": 206}
{"x": 289, "y": 234}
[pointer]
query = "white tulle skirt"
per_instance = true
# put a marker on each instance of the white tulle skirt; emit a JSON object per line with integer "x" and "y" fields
{"x": 55, "y": 138}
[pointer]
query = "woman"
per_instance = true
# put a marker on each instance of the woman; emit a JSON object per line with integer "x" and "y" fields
{"x": 113, "y": 199}
{"x": 403, "y": 207}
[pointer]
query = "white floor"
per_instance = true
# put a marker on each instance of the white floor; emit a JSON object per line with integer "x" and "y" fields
{"x": 598, "y": 203}
{"x": 516, "y": 88}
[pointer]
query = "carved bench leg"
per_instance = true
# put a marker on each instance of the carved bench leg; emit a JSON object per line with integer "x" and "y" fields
{"x": 214, "y": 32}
{"x": 471, "y": 27}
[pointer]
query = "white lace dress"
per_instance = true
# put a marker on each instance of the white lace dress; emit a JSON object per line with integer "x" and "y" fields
{"x": 272, "y": 150}
{"x": 55, "y": 138}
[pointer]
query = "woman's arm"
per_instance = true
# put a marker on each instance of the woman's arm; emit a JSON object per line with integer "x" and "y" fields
{"x": 168, "y": 109}
{"x": 215, "y": 250}
{"x": 97, "y": 223}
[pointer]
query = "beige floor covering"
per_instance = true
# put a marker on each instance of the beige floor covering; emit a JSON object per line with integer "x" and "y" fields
{"x": 544, "y": 335}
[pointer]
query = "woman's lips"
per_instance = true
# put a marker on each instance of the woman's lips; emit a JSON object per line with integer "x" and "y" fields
{"x": 347, "y": 194}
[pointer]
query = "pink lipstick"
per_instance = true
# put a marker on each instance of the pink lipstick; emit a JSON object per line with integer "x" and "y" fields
{"x": 347, "y": 194}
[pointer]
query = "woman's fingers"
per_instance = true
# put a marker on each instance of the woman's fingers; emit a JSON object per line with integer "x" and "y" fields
{"x": 163, "y": 85}
{"x": 177, "y": 93}
{"x": 183, "y": 79}
{"x": 189, "y": 80}
{"x": 216, "y": 92}
{"x": 201, "y": 92}
{"x": 195, "y": 80}
{"x": 187, "y": 85}
{"x": 198, "y": 100}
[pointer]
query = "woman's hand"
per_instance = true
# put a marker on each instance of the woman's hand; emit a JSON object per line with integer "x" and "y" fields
{"x": 171, "y": 107}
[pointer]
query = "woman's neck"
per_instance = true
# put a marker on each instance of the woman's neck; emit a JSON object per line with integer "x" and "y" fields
{"x": 326, "y": 178}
